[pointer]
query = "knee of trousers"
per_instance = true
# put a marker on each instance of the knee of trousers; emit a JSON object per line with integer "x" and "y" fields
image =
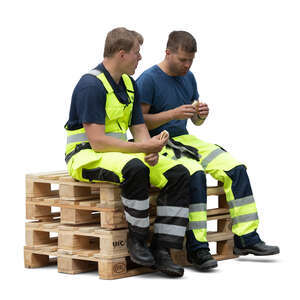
{"x": 198, "y": 188}
{"x": 136, "y": 180}
{"x": 177, "y": 188}
{"x": 240, "y": 181}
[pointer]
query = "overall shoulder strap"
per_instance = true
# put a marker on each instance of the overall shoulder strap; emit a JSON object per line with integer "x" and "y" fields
{"x": 100, "y": 75}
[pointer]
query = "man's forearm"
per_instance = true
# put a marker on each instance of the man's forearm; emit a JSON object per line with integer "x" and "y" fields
{"x": 111, "y": 144}
{"x": 155, "y": 120}
{"x": 101, "y": 142}
{"x": 140, "y": 133}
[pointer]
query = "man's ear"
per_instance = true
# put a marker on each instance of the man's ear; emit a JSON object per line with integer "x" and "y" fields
{"x": 122, "y": 53}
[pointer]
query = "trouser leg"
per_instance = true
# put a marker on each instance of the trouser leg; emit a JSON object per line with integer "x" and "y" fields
{"x": 242, "y": 208}
{"x": 135, "y": 198}
{"x": 196, "y": 230}
{"x": 197, "y": 227}
{"x": 131, "y": 172}
{"x": 239, "y": 196}
{"x": 222, "y": 166}
{"x": 241, "y": 202}
{"x": 172, "y": 209}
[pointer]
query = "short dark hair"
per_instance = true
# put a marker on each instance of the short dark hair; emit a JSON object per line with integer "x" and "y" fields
{"x": 182, "y": 40}
{"x": 121, "y": 39}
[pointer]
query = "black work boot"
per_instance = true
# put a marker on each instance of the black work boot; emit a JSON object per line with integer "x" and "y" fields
{"x": 202, "y": 259}
{"x": 165, "y": 264}
{"x": 259, "y": 249}
{"x": 139, "y": 251}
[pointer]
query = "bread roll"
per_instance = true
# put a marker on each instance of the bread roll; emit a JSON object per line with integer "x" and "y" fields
{"x": 164, "y": 134}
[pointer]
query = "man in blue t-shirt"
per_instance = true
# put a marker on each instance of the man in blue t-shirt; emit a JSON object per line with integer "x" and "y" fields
{"x": 169, "y": 97}
{"x": 105, "y": 103}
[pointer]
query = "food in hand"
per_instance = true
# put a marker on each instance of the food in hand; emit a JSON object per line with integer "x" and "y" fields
{"x": 164, "y": 135}
{"x": 195, "y": 103}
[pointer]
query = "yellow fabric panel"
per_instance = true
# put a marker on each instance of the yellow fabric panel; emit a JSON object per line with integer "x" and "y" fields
{"x": 198, "y": 216}
{"x": 245, "y": 227}
{"x": 200, "y": 235}
{"x": 243, "y": 210}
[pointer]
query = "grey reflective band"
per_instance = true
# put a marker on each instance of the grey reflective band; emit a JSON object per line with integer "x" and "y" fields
{"x": 117, "y": 135}
{"x": 138, "y": 222}
{"x": 94, "y": 72}
{"x": 240, "y": 201}
{"x": 169, "y": 229}
{"x": 244, "y": 218}
{"x": 136, "y": 204}
{"x": 172, "y": 211}
{"x": 197, "y": 225}
{"x": 197, "y": 207}
{"x": 81, "y": 137}
{"x": 211, "y": 156}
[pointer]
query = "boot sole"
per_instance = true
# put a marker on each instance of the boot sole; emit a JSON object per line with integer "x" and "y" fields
{"x": 237, "y": 251}
{"x": 210, "y": 264}
{"x": 170, "y": 272}
{"x": 142, "y": 263}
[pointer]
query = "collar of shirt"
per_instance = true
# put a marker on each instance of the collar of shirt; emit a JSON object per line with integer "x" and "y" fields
{"x": 119, "y": 89}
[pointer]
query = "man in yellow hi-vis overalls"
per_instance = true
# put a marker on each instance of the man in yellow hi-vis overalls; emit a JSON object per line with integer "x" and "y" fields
{"x": 104, "y": 105}
{"x": 167, "y": 92}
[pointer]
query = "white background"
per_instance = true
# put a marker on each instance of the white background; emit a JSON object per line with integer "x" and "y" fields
{"x": 247, "y": 68}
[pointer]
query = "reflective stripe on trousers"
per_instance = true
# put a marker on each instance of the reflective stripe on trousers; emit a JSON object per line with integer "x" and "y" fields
{"x": 167, "y": 216}
{"x": 211, "y": 156}
{"x": 198, "y": 221}
{"x": 135, "y": 211}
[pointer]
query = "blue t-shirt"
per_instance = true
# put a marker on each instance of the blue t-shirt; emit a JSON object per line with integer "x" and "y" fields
{"x": 89, "y": 99}
{"x": 164, "y": 92}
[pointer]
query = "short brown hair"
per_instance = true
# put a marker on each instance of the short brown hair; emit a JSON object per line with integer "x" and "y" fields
{"x": 121, "y": 39}
{"x": 183, "y": 40}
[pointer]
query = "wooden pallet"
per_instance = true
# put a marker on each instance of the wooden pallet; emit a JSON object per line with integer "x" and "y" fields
{"x": 78, "y": 202}
{"x": 62, "y": 185}
{"x": 80, "y": 248}
{"x": 91, "y": 229}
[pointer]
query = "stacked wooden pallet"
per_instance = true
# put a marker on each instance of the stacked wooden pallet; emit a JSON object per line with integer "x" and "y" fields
{"x": 81, "y": 226}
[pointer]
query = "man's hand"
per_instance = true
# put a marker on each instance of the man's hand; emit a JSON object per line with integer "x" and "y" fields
{"x": 151, "y": 159}
{"x": 183, "y": 112}
{"x": 162, "y": 138}
{"x": 201, "y": 109}
{"x": 156, "y": 143}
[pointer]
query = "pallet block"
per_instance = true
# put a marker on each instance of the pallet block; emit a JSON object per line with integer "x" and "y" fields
{"x": 69, "y": 265}
{"x": 38, "y": 258}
